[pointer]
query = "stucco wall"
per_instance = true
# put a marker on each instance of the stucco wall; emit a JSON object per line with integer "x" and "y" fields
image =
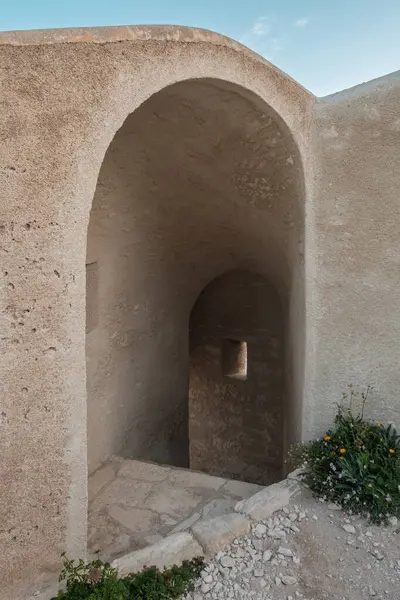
{"x": 236, "y": 423}
{"x": 353, "y": 253}
{"x": 64, "y": 96}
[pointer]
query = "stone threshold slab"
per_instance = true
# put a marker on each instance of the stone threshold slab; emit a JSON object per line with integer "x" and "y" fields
{"x": 208, "y": 536}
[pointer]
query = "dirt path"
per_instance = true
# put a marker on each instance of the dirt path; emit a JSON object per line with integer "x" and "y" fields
{"x": 305, "y": 552}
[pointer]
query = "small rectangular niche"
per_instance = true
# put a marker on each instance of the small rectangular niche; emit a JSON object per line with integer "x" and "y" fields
{"x": 234, "y": 359}
{"x": 92, "y": 284}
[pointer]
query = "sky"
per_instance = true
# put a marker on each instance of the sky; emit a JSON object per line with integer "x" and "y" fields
{"x": 326, "y": 45}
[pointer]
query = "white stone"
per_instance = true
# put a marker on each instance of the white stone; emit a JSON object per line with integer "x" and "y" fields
{"x": 260, "y": 530}
{"x": 187, "y": 523}
{"x": 288, "y": 580}
{"x": 214, "y": 534}
{"x": 152, "y": 539}
{"x": 349, "y": 528}
{"x": 263, "y": 504}
{"x": 267, "y": 555}
{"x": 173, "y": 549}
{"x": 227, "y": 561}
{"x": 285, "y": 551}
{"x": 296, "y": 474}
{"x": 258, "y": 545}
{"x": 241, "y": 489}
{"x": 277, "y": 534}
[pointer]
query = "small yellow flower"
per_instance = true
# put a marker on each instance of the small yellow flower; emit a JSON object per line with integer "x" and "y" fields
{"x": 391, "y": 451}
{"x": 327, "y": 438}
{"x": 378, "y": 424}
{"x": 342, "y": 450}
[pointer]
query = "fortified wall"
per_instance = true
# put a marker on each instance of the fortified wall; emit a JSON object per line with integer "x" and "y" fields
{"x": 197, "y": 257}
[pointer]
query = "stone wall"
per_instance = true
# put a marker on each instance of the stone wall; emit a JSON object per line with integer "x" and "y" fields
{"x": 223, "y": 157}
{"x": 236, "y": 411}
{"x": 353, "y": 253}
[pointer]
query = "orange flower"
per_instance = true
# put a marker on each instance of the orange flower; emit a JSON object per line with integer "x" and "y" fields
{"x": 327, "y": 438}
{"x": 391, "y": 450}
{"x": 342, "y": 450}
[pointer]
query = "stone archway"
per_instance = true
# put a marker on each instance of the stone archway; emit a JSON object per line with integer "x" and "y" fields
{"x": 202, "y": 178}
{"x": 208, "y": 179}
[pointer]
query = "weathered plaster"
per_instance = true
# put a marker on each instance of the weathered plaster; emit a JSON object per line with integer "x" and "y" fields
{"x": 65, "y": 94}
{"x": 353, "y": 253}
{"x": 62, "y": 105}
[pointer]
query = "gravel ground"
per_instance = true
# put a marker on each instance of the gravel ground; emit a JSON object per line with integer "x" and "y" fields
{"x": 309, "y": 551}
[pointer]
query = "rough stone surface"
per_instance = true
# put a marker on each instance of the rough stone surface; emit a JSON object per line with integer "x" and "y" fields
{"x": 214, "y": 534}
{"x": 263, "y": 504}
{"x": 167, "y": 552}
{"x": 316, "y": 562}
{"x": 233, "y": 166}
{"x": 148, "y": 502}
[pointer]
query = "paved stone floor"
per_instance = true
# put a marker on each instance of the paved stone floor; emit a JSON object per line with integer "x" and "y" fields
{"x": 133, "y": 504}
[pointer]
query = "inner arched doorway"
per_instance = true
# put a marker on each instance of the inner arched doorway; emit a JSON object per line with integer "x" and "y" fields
{"x": 237, "y": 387}
{"x": 202, "y": 179}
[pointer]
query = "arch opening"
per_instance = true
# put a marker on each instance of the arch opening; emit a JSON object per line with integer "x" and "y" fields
{"x": 203, "y": 183}
{"x": 237, "y": 387}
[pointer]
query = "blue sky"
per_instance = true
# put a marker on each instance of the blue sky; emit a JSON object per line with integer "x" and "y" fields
{"x": 326, "y": 45}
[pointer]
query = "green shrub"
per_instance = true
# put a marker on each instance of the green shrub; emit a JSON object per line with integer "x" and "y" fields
{"x": 99, "y": 581}
{"x": 356, "y": 464}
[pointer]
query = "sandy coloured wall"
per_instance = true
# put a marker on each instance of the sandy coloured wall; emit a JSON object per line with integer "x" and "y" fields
{"x": 64, "y": 96}
{"x": 353, "y": 253}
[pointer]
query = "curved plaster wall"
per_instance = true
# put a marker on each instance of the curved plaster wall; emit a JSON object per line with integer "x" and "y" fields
{"x": 65, "y": 94}
{"x": 201, "y": 179}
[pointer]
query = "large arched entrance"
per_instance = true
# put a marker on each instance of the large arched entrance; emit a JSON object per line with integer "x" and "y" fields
{"x": 203, "y": 179}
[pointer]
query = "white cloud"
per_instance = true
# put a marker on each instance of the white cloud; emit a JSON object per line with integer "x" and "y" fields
{"x": 261, "y": 27}
{"x": 258, "y": 37}
{"x": 302, "y": 22}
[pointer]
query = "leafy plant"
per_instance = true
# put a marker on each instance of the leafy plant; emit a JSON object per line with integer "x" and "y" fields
{"x": 356, "y": 464}
{"x": 99, "y": 581}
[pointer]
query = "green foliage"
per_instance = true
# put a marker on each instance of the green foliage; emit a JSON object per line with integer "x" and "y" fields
{"x": 99, "y": 581}
{"x": 356, "y": 464}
